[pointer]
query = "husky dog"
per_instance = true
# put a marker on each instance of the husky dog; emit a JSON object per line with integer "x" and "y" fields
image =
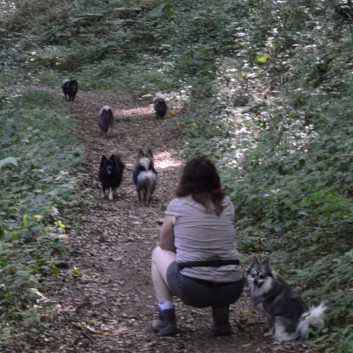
{"x": 288, "y": 316}
{"x": 111, "y": 174}
{"x": 160, "y": 106}
{"x": 70, "y": 88}
{"x": 105, "y": 120}
{"x": 144, "y": 176}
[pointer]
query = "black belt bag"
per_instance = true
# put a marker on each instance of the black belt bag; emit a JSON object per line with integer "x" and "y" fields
{"x": 209, "y": 263}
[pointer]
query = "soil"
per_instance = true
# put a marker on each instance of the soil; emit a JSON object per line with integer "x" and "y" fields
{"x": 102, "y": 301}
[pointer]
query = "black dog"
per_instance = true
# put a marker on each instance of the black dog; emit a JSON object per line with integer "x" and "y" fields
{"x": 160, "y": 106}
{"x": 70, "y": 88}
{"x": 111, "y": 173}
{"x": 106, "y": 119}
{"x": 145, "y": 176}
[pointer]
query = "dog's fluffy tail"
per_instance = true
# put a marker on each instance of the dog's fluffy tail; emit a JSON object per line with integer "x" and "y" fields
{"x": 313, "y": 317}
{"x": 145, "y": 163}
{"x": 64, "y": 81}
{"x": 158, "y": 95}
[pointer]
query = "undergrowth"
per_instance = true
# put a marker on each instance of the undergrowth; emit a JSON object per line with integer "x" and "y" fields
{"x": 270, "y": 98}
{"x": 38, "y": 168}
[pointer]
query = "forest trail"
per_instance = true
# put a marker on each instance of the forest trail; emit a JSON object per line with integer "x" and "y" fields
{"x": 109, "y": 305}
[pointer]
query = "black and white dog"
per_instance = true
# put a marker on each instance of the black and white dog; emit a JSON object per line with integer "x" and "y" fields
{"x": 70, "y": 88}
{"x": 160, "y": 106}
{"x": 111, "y": 174}
{"x": 144, "y": 176}
{"x": 106, "y": 120}
{"x": 288, "y": 316}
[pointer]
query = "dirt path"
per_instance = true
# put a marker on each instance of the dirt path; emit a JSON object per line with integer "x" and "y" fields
{"x": 109, "y": 305}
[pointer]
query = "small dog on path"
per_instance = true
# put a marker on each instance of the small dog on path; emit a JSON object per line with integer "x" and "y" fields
{"x": 111, "y": 174}
{"x": 106, "y": 119}
{"x": 70, "y": 88}
{"x": 160, "y": 106}
{"x": 144, "y": 176}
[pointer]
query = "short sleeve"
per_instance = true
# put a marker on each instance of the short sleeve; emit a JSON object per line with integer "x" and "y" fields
{"x": 173, "y": 208}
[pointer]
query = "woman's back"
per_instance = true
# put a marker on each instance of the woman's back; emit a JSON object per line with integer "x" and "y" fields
{"x": 201, "y": 236}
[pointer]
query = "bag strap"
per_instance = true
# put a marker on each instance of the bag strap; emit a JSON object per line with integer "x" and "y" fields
{"x": 209, "y": 263}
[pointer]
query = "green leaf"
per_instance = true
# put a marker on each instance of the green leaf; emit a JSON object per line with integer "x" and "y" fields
{"x": 263, "y": 58}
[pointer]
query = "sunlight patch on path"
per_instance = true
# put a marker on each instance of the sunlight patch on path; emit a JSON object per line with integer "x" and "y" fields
{"x": 165, "y": 160}
{"x": 134, "y": 112}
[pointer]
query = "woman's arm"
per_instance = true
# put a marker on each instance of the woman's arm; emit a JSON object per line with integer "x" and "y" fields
{"x": 167, "y": 234}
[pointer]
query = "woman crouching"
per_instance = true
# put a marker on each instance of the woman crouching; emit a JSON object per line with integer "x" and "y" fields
{"x": 197, "y": 259}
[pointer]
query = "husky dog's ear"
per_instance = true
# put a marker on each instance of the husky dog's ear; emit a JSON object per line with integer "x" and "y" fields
{"x": 140, "y": 154}
{"x": 149, "y": 153}
{"x": 254, "y": 262}
{"x": 267, "y": 266}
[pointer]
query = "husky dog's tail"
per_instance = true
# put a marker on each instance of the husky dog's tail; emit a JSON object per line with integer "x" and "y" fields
{"x": 63, "y": 83}
{"x": 313, "y": 317}
{"x": 158, "y": 95}
{"x": 145, "y": 160}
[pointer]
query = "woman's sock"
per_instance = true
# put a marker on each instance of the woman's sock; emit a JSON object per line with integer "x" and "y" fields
{"x": 163, "y": 305}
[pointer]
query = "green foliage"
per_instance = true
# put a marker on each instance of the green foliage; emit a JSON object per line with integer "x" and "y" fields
{"x": 286, "y": 155}
{"x": 292, "y": 185}
{"x": 102, "y": 47}
{"x": 37, "y": 175}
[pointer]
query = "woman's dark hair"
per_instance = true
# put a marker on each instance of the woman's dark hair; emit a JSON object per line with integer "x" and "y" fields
{"x": 200, "y": 179}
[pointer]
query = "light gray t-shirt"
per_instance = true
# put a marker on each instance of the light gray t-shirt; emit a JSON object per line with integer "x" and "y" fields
{"x": 201, "y": 236}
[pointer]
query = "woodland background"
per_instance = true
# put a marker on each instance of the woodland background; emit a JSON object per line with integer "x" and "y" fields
{"x": 267, "y": 91}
